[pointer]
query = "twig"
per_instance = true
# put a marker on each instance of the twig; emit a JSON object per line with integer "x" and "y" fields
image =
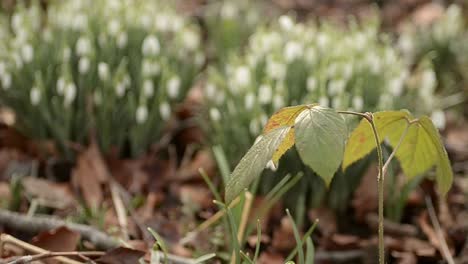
{"x": 391, "y": 227}
{"x": 119, "y": 209}
{"x": 339, "y": 256}
{"x": 31, "y": 258}
{"x": 38, "y": 224}
{"x": 443, "y": 243}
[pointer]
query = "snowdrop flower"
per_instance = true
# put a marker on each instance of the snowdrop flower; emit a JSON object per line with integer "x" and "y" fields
{"x": 18, "y": 61}
{"x": 113, "y": 27}
{"x": 311, "y": 84}
{"x": 428, "y": 82}
{"x": 150, "y": 45}
{"x": 336, "y": 87}
{"x": 210, "y": 90}
{"x": 249, "y": 101}
{"x": 35, "y": 95}
{"x": 336, "y": 103}
{"x": 173, "y": 87}
{"x": 120, "y": 88}
{"x": 165, "y": 110}
{"x": 83, "y": 46}
{"x": 150, "y": 68}
{"x": 254, "y": 127}
{"x": 358, "y": 103}
{"x": 122, "y": 40}
{"x": 215, "y": 115}
{"x": 286, "y": 23}
{"x": 70, "y": 94}
{"x": 242, "y": 76}
{"x": 405, "y": 43}
{"x": 17, "y": 22}
{"x": 148, "y": 88}
{"x": 395, "y": 86}
{"x": 84, "y": 65}
{"x": 141, "y": 114}
{"x": 323, "y": 101}
{"x": 360, "y": 41}
{"x": 438, "y": 117}
{"x": 278, "y": 101}
{"x": 103, "y": 71}
{"x": 27, "y": 52}
{"x": 265, "y": 94}
{"x": 145, "y": 21}
{"x": 80, "y": 22}
{"x": 322, "y": 40}
{"x": 275, "y": 70}
{"x": 163, "y": 22}
{"x": 6, "y": 81}
{"x": 190, "y": 39}
{"x": 61, "y": 85}
{"x": 228, "y": 10}
{"x": 292, "y": 51}
{"x": 374, "y": 63}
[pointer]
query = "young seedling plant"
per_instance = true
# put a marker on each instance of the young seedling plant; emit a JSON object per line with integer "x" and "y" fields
{"x": 321, "y": 139}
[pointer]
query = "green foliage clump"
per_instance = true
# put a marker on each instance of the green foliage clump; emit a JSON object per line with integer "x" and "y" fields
{"x": 111, "y": 62}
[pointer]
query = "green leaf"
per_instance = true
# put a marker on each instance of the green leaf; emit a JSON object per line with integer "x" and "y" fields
{"x": 362, "y": 141}
{"x": 284, "y": 117}
{"x": 254, "y": 161}
{"x": 320, "y": 139}
{"x": 444, "y": 172}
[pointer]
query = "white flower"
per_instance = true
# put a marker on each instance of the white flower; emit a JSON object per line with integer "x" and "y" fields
{"x": 145, "y": 21}
{"x": 141, "y": 114}
{"x": 322, "y": 40}
{"x": 265, "y": 94}
{"x": 83, "y": 65}
{"x": 70, "y": 94}
{"x": 249, "y": 101}
{"x": 336, "y": 87}
{"x": 271, "y": 166}
{"x": 311, "y": 84}
{"x": 83, "y": 46}
{"x": 80, "y": 21}
{"x": 228, "y": 10}
{"x": 18, "y": 61}
{"x": 242, "y": 76}
{"x": 190, "y": 39}
{"x": 173, "y": 87}
{"x": 428, "y": 82}
{"x": 358, "y": 103}
{"x": 323, "y": 101}
{"x": 61, "y": 85}
{"x": 278, "y": 101}
{"x": 150, "y": 45}
{"x": 276, "y": 70}
{"x": 395, "y": 86}
{"x": 210, "y": 90}
{"x": 163, "y": 22}
{"x": 148, "y": 88}
{"x": 292, "y": 51}
{"x": 103, "y": 71}
{"x": 405, "y": 43}
{"x": 165, "y": 110}
{"x": 150, "y": 68}
{"x": 27, "y": 52}
{"x": 120, "y": 89}
{"x": 215, "y": 115}
{"x": 113, "y": 27}
{"x": 122, "y": 40}
{"x": 254, "y": 127}
{"x": 17, "y": 22}
{"x": 374, "y": 63}
{"x": 286, "y": 23}
{"x": 6, "y": 81}
{"x": 35, "y": 96}
{"x": 438, "y": 118}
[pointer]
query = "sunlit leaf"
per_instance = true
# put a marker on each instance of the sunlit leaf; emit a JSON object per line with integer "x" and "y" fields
{"x": 287, "y": 143}
{"x": 362, "y": 141}
{"x": 254, "y": 161}
{"x": 320, "y": 139}
{"x": 284, "y": 117}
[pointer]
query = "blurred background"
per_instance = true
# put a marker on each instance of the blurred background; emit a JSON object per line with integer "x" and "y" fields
{"x": 120, "y": 115}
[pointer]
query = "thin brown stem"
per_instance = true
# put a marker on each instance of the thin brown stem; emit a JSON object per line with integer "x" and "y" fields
{"x": 31, "y": 258}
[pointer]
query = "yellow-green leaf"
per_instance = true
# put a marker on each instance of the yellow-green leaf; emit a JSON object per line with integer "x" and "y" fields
{"x": 362, "y": 141}
{"x": 320, "y": 139}
{"x": 284, "y": 117}
{"x": 286, "y": 144}
{"x": 254, "y": 161}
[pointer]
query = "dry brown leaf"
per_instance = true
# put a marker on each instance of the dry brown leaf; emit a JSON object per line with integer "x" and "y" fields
{"x": 327, "y": 220}
{"x": 404, "y": 257}
{"x": 195, "y": 194}
{"x": 121, "y": 255}
{"x": 57, "y": 240}
{"x": 419, "y": 247}
{"x": 56, "y": 195}
{"x": 283, "y": 236}
{"x": 90, "y": 172}
{"x": 365, "y": 197}
{"x": 270, "y": 258}
{"x": 203, "y": 159}
{"x": 427, "y": 14}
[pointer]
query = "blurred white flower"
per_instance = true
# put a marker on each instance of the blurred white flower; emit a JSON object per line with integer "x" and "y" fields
{"x": 405, "y": 43}
{"x": 163, "y": 22}
{"x": 374, "y": 63}
{"x": 210, "y": 90}
{"x": 27, "y": 53}
{"x": 215, "y": 115}
{"x": 18, "y": 60}
{"x": 229, "y": 10}
{"x": 165, "y": 110}
{"x": 311, "y": 84}
{"x": 83, "y": 46}
{"x": 286, "y": 23}
{"x": 438, "y": 118}
{"x": 113, "y": 27}
{"x": 395, "y": 86}
{"x": 6, "y": 81}
{"x": 276, "y": 70}
{"x": 61, "y": 85}
{"x": 337, "y": 102}
{"x": 16, "y": 22}
{"x": 122, "y": 40}
{"x": 148, "y": 88}
{"x": 70, "y": 94}
{"x": 254, "y": 127}
{"x": 35, "y": 95}
{"x": 173, "y": 87}
{"x": 242, "y": 76}
{"x": 150, "y": 46}
{"x": 150, "y": 68}
{"x": 323, "y": 101}
{"x": 265, "y": 94}
{"x": 80, "y": 22}
{"x": 428, "y": 82}
{"x": 358, "y": 102}
{"x": 292, "y": 51}
{"x": 145, "y": 21}
{"x": 190, "y": 39}
{"x": 103, "y": 71}
{"x": 322, "y": 40}
{"x": 249, "y": 101}
{"x": 141, "y": 114}
{"x": 336, "y": 87}
{"x": 278, "y": 101}
{"x": 84, "y": 65}
{"x": 120, "y": 88}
